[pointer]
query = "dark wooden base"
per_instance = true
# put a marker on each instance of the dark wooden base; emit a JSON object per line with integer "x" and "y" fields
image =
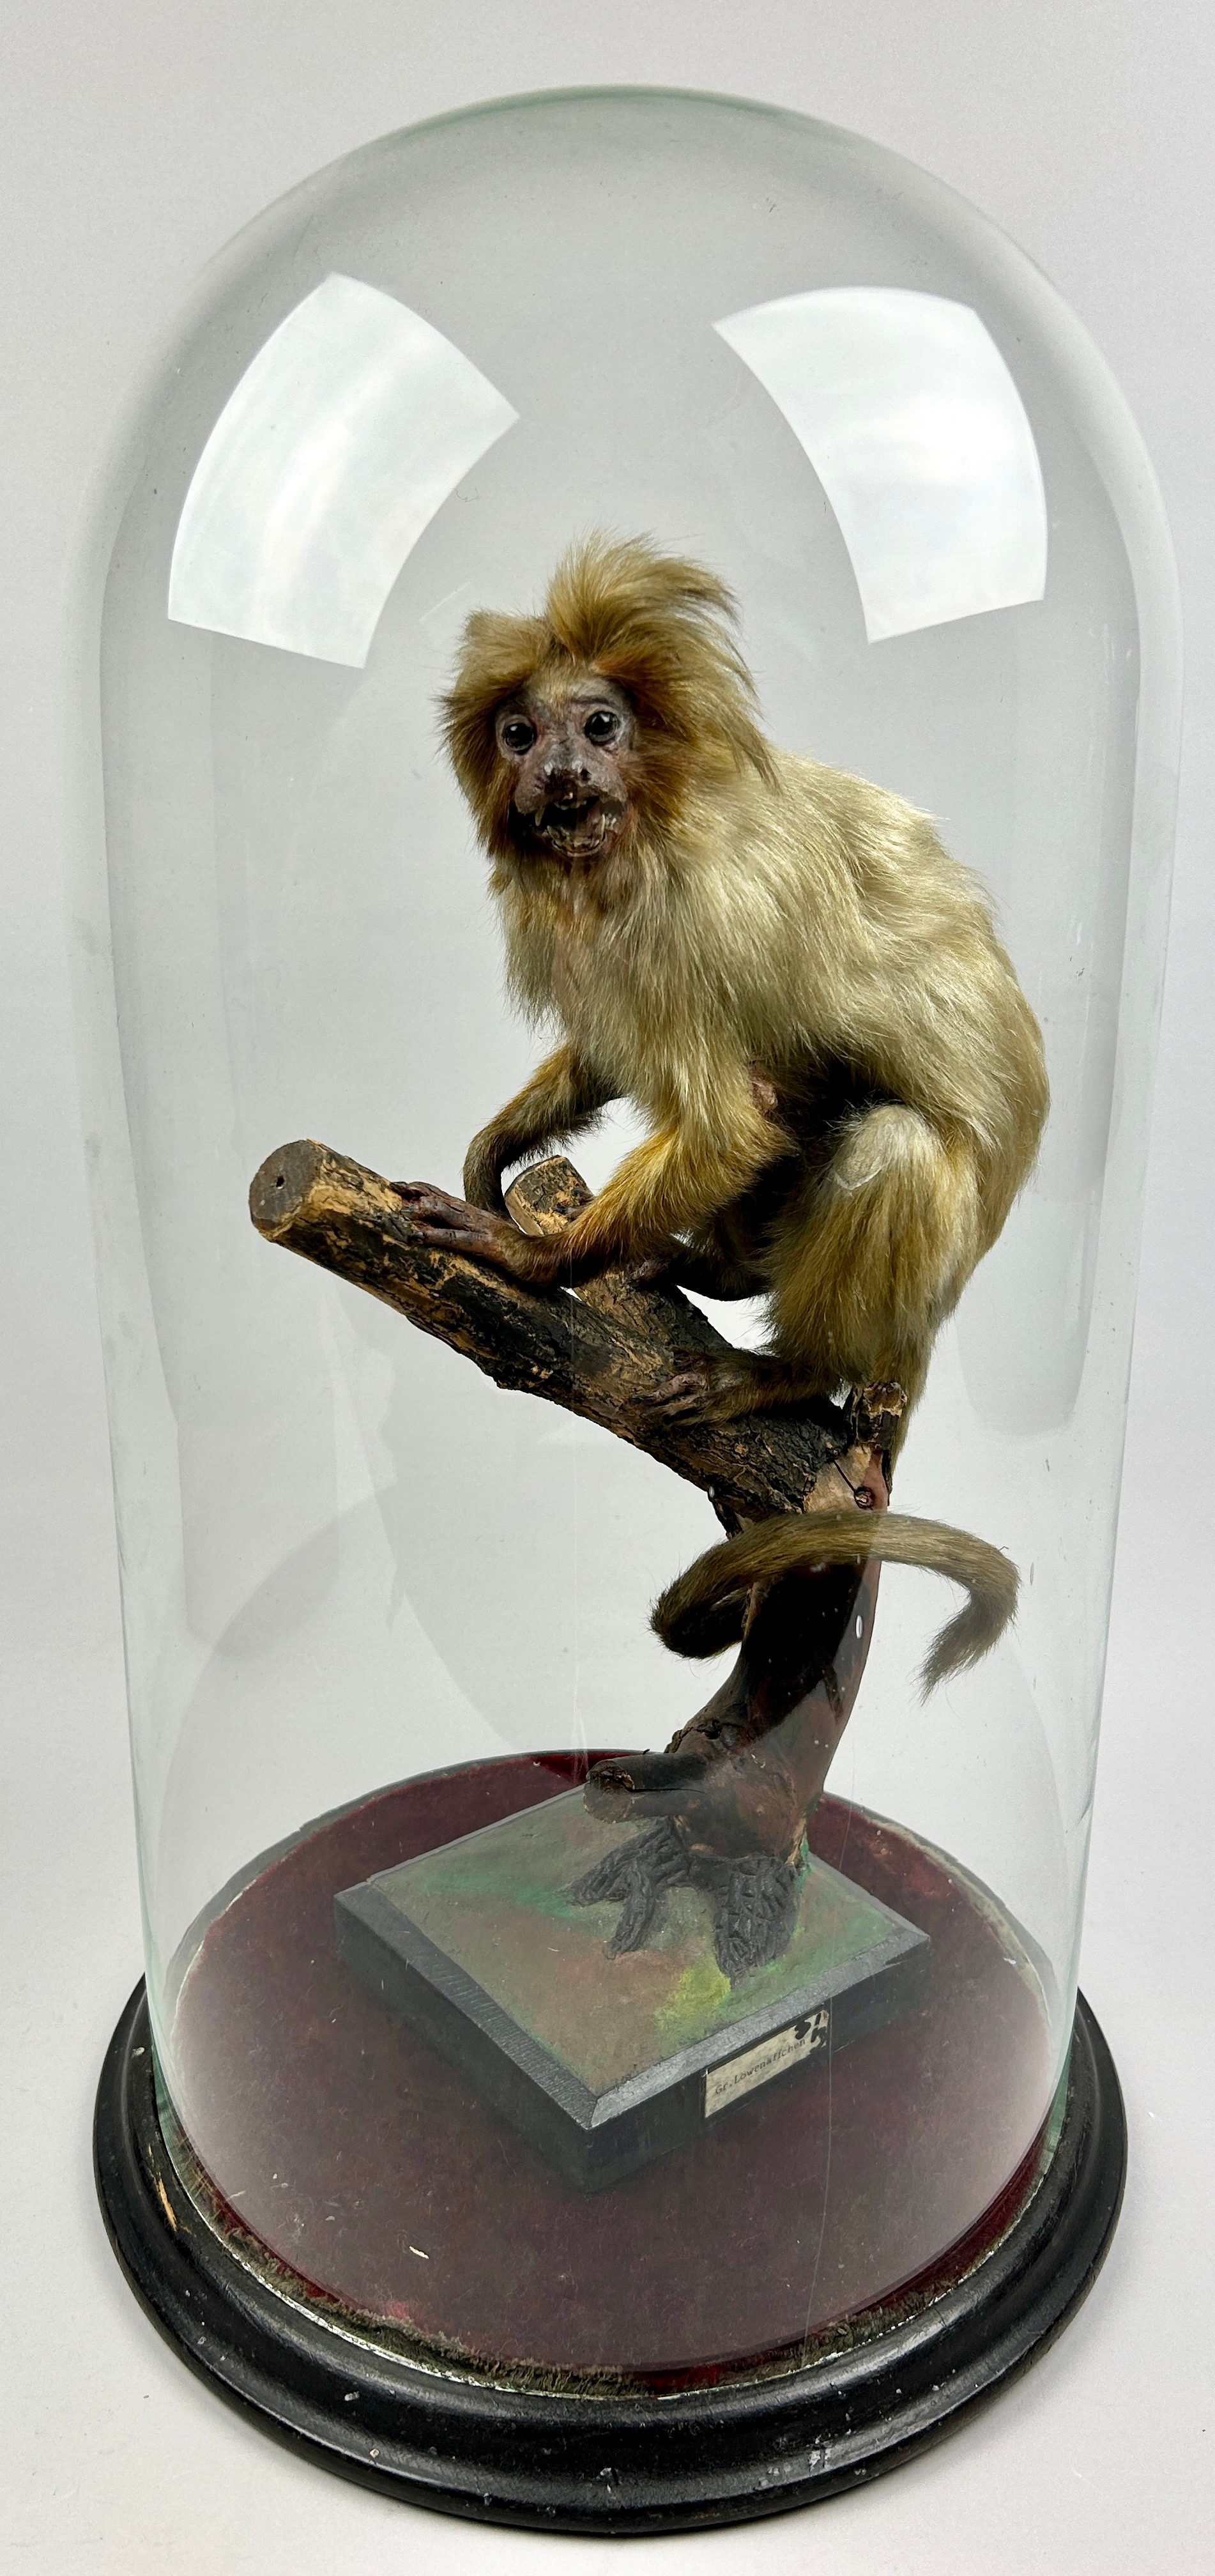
{"x": 337, "y": 2140}
{"x": 624, "y": 2464}
{"x": 828, "y": 2282}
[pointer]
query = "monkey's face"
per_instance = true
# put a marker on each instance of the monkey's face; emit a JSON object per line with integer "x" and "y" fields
{"x": 569, "y": 760}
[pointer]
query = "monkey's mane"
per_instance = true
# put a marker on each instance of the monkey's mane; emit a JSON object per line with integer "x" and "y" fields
{"x": 659, "y": 626}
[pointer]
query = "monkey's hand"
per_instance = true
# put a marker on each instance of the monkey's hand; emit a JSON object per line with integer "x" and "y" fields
{"x": 441, "y": 1223}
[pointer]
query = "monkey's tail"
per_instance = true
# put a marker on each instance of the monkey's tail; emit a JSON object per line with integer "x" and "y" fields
{"x": 704, "y": 1609}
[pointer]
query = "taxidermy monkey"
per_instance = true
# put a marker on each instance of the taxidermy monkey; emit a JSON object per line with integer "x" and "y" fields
{"x": 784, "y": 970}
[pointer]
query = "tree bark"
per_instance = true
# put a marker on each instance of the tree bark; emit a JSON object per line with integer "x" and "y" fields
{"x": 598, "y": 1352}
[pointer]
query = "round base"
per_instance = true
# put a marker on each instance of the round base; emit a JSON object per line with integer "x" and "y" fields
{"x": 321, "y": 2133}
{"x": 595, "y": 2464}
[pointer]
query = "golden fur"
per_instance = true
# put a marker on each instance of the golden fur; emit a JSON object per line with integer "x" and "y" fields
{"x": 785, "y": 971}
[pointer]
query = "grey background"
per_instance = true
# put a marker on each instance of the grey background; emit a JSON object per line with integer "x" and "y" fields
{"x": 137, "y": 139}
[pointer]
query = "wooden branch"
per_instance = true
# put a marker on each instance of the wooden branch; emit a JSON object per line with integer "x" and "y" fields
{"x": 599, "y": 1352}
{"x": 739, "y": 1783}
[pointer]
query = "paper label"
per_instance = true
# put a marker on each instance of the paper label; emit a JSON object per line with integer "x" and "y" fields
{"x": 769, "y": 2057}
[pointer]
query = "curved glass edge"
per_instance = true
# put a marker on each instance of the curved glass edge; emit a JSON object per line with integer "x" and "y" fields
{"x": 1116, "y": 446}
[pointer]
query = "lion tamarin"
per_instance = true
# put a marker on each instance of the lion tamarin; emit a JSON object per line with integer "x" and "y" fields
{"x": 784, "y": 970}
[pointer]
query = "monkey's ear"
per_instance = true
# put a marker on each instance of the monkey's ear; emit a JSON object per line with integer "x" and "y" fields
{"x": 498, "y": 655}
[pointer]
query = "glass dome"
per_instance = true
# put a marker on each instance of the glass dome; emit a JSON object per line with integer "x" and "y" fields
{"x": 375, "y": 1603}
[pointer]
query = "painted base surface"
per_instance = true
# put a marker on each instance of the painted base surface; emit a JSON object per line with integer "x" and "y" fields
{"x": 619, "y": 2465}
{"x": 604, "y": 2062}
{"x": 371, "y": 2170}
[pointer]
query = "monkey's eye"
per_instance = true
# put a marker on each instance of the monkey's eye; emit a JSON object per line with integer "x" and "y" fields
{"x": 517, "y": 734}
{"x": 601, "y": 725}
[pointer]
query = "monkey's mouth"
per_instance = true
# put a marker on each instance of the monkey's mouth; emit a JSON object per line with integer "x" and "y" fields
{"x": 577, "y": 827}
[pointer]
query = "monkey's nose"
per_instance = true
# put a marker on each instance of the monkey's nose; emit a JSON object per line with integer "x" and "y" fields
{"x": 564, "y": 777}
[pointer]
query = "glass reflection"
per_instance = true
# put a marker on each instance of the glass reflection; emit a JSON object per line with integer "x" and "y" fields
{"x": 345, "y": 435}
{"x": 918, "y": 434}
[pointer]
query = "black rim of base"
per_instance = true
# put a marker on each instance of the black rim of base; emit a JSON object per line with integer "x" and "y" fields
{"x": 606, "y": 2464}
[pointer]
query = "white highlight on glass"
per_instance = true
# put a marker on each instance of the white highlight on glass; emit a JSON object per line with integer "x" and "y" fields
{"x": 345, "y": 435}
{"x": 919, "y": 437}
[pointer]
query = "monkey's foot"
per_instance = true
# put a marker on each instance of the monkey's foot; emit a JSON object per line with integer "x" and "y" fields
{"x": 636, "y": 1877}
{"x": 720, "y": 1386}
{"x": 717, "y": 1387}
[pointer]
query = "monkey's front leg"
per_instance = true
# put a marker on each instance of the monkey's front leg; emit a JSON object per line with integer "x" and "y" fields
{"x": 560, "y": 1260}
{"x": 672, "y": 1184}
{"x": 562, "y": 1097}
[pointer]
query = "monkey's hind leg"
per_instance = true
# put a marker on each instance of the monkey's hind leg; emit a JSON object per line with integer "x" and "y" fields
{"x": 876, "y": 1251}
{"x": 863, "y": 1263}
